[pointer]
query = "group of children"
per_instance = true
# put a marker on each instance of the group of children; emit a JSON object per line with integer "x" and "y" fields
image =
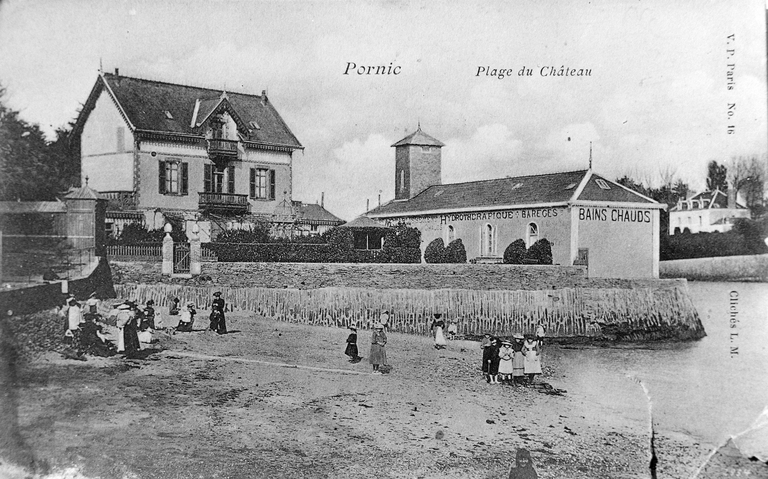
{"x": 516, "y": 362}
{"x": 513, "y": 362}
{"x": 134, "y": 324}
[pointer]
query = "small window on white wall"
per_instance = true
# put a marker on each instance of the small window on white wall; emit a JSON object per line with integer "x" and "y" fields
{"x": 532, "y": 235}
{"x": 451, "y": 233}
{"x": 488, "y": 240}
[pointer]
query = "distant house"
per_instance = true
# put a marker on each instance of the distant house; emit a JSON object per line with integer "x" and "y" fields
{"x": 314, "y": 219}
{"x": 706, "y": 212}
{"x": 158, "y": 150}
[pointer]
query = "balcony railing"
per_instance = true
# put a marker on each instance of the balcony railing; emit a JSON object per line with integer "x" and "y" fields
{"x": 228, "y": 201}
{"x": 120, "y": 200}
{"x": 218, "y": 147}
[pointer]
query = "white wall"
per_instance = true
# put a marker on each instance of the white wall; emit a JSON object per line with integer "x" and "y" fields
{"x": 108, "y": 168}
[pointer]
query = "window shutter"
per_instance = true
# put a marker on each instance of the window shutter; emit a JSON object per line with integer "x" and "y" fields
{"x": 253, "y": 182}
{"x": 161, "y": 177}
{"x": 208, "y": 179}
{"x": 184, "y": 178}
{"x": 231, "y": 180}
{"x": 271, "y": 184}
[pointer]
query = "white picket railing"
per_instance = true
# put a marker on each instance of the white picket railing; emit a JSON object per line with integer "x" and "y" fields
{"x": 136, "y": 251}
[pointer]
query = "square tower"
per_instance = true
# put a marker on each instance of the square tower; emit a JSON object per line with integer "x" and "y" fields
{"x": 417, "y": 164}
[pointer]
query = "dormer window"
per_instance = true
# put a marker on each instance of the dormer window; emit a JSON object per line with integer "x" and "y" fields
{"x": 168, "y": 115}
{"x": 602, "y": 184}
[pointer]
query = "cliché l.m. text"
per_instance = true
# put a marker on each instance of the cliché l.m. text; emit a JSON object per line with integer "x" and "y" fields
{"x": 545, "y": 71}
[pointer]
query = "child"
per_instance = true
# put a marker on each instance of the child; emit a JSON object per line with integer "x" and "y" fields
{"x": 378, "y": 356}
{"x": 452, "y": 330}
{"x": 187, "y": 319}
{"x": 493, "y": 365}
{"x": 523, "y": 468}
{"x": 506, "y": 354}
{"x": 351, "y": 350}
{"x": 485, "y": 345}
{"x": 174, "y": 310}
{"x": 384, "y": 320}
{"x": 518, "y": 361}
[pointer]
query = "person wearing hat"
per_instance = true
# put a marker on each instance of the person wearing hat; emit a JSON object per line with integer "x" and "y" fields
{"x": 437, "y": 327}
{"x": 74, "y": 318}
{"x": 493, "y": 364}
{"x": 93, "y": 303}
{"x": 131, "y": 330}
{"x": 187, "y": 319}
{"x": 92, "y": 341}
{"x": 532, "y": 360}
{"x": 506, "y": 355}
{"x": 148, "y": 316}
{"x": 378, "y": 356}
{"x": 218, "y": 322}
{"x": 122, "y": 318}
{"x": 485, "y": 345}
{"x": 351, "y": 349}
{"x": 384, "y": 320}
{"x": 518, "y": 361}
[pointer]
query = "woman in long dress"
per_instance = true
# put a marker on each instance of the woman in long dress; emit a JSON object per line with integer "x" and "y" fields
{"x": 493, "y": 366}
{"x": 131, "y": 331}
{"x": 532, "y": 360}
{"x": 378, "y": 356}
{"x": 437, "y": 326}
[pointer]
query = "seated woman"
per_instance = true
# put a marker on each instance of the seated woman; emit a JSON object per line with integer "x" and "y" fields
{"x": 187, "y": 319}
{"x": 92, "y": 341}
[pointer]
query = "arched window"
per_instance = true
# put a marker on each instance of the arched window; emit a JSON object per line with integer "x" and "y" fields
{"x": 487, "y": 241}
{"x": 451, "y": 234}
{"x": 532, "y": 235}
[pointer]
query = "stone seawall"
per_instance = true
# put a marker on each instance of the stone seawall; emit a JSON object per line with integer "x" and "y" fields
{"x": 643, "y": 313}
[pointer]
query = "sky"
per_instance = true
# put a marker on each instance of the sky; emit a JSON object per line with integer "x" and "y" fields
{"x": 656, "y": 102}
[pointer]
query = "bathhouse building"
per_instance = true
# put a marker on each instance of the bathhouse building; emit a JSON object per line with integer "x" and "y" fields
{"x": 588, "y": 218}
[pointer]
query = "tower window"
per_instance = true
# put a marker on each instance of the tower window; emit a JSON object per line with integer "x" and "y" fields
{"x": 402, "y": 180}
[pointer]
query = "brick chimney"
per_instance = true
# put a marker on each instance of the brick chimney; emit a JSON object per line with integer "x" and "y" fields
{"x": 731, "y": 196}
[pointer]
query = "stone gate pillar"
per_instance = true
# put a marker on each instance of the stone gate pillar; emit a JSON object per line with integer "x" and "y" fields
{"x": 195, "y": 251}
{"x": 167, "y": 267}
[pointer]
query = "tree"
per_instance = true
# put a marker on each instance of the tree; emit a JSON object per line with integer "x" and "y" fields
{"x": 455, "y": 252}
{"x": 515, "y": 252}
{"x": 435, "y": 251}
{"x": 717, "y": 177}
{"x": 747, "y": 174}
{"x": 540, "y": 252}
{"x": 31, "y": 168}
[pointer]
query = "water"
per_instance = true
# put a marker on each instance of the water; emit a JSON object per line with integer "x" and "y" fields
{"x": 698, "y": 388}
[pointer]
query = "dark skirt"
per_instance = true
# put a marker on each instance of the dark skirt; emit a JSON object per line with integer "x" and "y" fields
{"x": 222, "y": 328}
{"x": 131, "y": 336}
{"x": 351, "y": 350}
{"x": 184, "y": 327}
{"x": 487, "y": 353}
{"x": 378, "y": 355}
{"x": 493, "y": 367}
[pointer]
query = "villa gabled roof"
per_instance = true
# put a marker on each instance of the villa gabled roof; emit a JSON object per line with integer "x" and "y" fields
{"x": 363, "y": 222}
{"x": 715, "y": 199}
{"x": 581, "y": 186}
{"x": 168, "y": 108}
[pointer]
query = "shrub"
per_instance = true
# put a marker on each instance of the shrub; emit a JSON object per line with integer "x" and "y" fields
{"x": 136, "y": 233}
{"x": 435, "y": 251}
{"x": 258, "y": 234}
{"x": 455, "y": 252}
{"x": 515, "y": 252}
{"x": 540, "y": 252}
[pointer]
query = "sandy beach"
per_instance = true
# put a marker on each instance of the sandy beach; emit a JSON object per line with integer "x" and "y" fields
{"x": 273, "y": 399}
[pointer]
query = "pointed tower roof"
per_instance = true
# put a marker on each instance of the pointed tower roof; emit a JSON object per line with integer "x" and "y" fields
{"x": 84, "y": 193}
{"x": 418, "y": 137}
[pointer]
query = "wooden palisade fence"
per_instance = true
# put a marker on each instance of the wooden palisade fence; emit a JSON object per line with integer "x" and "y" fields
{"x": 611, "y": 313}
